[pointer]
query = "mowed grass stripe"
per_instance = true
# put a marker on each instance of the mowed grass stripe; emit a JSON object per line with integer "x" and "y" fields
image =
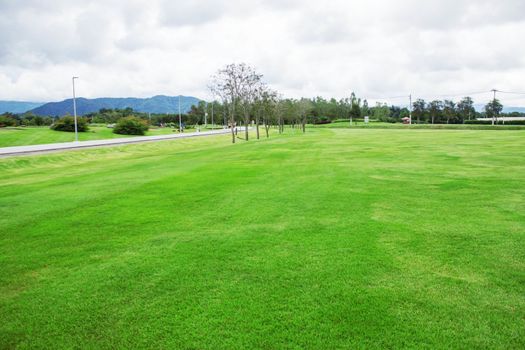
{"x": 336, "y": 238}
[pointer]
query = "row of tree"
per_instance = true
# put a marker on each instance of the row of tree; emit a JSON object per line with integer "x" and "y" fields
{"x": 26, "y": 119}
{"x": 450, "y": 112}
{"x": 241, "y": 97}
{"x": 245, "y": 99}
{"x": 319, "y": 110}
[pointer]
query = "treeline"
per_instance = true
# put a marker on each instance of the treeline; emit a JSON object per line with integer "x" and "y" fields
{"x": 316, "y": 111}
{"x": 242, "y": 98}
{"x": 112, "y": 116}
{"x": 25, "y": 119}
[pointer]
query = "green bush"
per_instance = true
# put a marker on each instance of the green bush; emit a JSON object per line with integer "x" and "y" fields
{"x": 500, "y": 122}
{"x": 131, "y": 126}
{"x": 321, "y": 120}
{"x": 7, "y": 120}
{"x": 67, "y": 123}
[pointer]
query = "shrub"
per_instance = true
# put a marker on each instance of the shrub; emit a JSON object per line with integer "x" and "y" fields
{"x": 67, "y": 123}
{"x": 130, "y": 126}
{"x": 321, "y": 120}
{"x": 7, "y": 120}
{"x": 500, "y": 122}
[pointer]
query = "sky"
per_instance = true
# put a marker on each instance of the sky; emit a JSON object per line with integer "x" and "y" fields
{"x": 382, "y": 50}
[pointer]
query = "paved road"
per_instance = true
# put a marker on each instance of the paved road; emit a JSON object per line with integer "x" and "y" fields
{"x": 51, "y": 147}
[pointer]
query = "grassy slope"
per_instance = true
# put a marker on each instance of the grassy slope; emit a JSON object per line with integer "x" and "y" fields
{"x": 338, "y": 238}
{"x": 40, "y": 135}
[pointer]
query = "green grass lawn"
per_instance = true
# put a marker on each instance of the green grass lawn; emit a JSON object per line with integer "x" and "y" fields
{"x": 22, "y": 136}
{"x": 334, "y": 239}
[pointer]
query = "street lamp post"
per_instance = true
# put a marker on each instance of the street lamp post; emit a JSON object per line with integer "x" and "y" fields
{"x": 75, "y": 108}
{"x": 180, "y": 118}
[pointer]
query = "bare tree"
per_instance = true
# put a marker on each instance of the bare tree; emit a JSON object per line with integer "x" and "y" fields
{"x": 269, "y": 107}
{"x": 226, "y": 84}
{"x": 250, "y": 87}
{"x": 258, "y": 105}
{"x": 237, "y": 85}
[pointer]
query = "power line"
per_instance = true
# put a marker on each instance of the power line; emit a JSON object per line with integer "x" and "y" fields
{"x": 457, "y": 95}
{"x": 511, "y": 92}
{"x": 466, "y": 94}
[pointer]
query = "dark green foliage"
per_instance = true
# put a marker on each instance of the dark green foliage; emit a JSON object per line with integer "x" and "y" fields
{"x": 493, "y": 108}
{"x": 29, "y": 119}
{"x": 7, "y": 119}
{"x": 500, "y": 122}
{"x": 67, "y": 123}
{"x": 26, "y": 119}
{"x": 465, "y": 109}
{"x": 112, "y": 116}
{"x": 321, "y": 120}
{"x": 131, "y": 126}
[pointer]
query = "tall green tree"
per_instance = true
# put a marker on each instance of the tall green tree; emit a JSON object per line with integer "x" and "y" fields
{"x": 465, "y": 108}
{"x": 304, "y": 107}
{"x": 419, "y": 109}
{"x": 381, "y": 112}
{"x": 493, "y": 110}
{"x": 365, "y": 110}
{"x": 355, "y": 107}
{"x": 435, "y": 109}
{"x": 449, "y": 111}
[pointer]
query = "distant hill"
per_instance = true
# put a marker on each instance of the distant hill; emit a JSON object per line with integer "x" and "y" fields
{"x": 155, "y": 104}
{"x": 18, "y": 106}
{"x": 514, "y": 109}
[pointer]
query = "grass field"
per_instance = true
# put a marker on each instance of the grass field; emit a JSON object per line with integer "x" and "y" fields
{"x": 334, "y": 239}
{"x": 22, "y": 136}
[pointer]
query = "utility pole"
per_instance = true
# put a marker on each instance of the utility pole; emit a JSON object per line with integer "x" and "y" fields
{"x": 493, "y": 105}
{"x": 75, "y": 108}
{"x": 180, "y": 118}
{"x": 410, "y": 108}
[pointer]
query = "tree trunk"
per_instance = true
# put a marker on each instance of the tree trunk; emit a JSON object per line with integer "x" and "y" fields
{"x": 232, "y": 123}
{"x": 246, "y": 124}
{"x": 257, "y": 126}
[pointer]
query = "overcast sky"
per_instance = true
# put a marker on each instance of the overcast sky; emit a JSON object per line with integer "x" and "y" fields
{"x": 377, "y": 48}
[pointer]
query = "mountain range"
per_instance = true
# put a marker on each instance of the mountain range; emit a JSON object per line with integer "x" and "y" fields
{"x": 155, "y": 104}
{"x": 18, "y": 106}
{"x": 514, "y": 109}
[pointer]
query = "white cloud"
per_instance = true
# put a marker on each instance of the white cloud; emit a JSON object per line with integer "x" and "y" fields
{"x": 377, "y": 48}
